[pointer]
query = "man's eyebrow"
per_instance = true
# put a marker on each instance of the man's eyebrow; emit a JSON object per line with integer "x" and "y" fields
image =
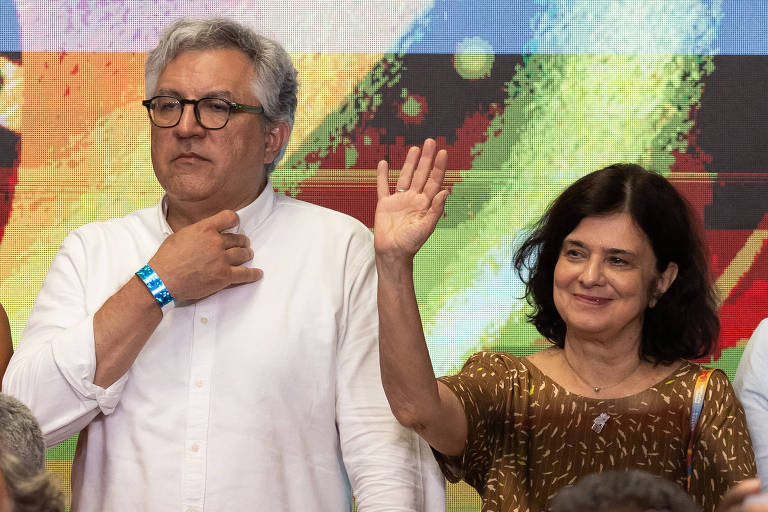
{"x": 219, "y": 93}
{"x": 168, "y": 92}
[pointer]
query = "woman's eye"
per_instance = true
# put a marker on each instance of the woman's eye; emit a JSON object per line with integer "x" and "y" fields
{"x": 573, "y": 253}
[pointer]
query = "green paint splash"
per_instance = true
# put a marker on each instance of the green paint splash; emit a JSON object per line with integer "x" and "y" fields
{"x": 303, "y": 163}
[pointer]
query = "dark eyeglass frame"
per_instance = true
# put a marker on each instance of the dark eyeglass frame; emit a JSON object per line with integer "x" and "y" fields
{"x": 233, "y": 107}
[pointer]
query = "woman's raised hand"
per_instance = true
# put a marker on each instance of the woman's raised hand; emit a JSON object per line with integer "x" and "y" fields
{"x": 405, "y": 219}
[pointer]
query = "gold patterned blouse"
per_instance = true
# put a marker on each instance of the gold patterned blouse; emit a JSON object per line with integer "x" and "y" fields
{"x": 528, "y": 437}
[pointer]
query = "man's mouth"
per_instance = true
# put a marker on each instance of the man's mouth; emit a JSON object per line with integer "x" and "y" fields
{"x": 189, "y": 156}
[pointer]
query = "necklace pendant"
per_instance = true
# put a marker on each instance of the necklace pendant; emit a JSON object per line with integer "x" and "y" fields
{"x": 600, "y": 422}
{"x": 597, "y": 389}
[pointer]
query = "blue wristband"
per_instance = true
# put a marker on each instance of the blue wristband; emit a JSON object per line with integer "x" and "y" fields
{"x": 156, "y": 287}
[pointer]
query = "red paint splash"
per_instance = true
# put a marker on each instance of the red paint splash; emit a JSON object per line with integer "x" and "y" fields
{"x": 358, "y": 198}
{"x": 696, "y": 189}
{"x": 744, "y": 307}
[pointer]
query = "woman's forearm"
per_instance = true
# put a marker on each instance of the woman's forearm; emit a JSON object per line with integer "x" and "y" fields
{"x": 406, "y": 370}
{"x": 416, "y": 398}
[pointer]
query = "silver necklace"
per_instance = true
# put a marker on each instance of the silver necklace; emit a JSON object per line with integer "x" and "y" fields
{"x": 597, "y": 388}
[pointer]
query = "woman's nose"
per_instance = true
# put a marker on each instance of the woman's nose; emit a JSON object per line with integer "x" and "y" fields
{"x": 592, "y": 273}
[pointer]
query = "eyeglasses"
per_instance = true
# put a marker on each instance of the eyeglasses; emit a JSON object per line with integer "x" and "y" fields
{"x": 211, "y": 113}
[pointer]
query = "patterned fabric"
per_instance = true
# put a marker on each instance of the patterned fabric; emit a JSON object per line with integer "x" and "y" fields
{"x": 529, "y": 437}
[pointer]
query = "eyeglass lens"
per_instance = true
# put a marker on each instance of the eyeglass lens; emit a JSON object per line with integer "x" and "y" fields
{"x": 212, "y": 113}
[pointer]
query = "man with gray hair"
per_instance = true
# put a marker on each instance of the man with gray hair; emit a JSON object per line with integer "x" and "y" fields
{"x": 25, "y": 485}
{"x": 219, "y": 351}
{"x": 20, "y": 434}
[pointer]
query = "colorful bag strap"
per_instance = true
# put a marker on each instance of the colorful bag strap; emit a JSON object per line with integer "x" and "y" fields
{"x": 699, "y": 391}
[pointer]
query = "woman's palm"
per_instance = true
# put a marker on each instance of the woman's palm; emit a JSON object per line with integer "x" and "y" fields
{"x": 405, "y": 219}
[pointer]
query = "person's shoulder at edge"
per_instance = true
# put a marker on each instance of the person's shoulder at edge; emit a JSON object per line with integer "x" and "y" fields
{"x": 755, "y": 352}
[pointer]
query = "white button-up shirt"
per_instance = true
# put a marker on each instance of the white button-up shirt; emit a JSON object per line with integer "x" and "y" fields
{"x": 751, "y": 385}
{"x": 265, "y": 396}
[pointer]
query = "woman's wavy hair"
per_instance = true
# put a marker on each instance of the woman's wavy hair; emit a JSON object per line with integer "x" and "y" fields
{"x": 684, "y": 322}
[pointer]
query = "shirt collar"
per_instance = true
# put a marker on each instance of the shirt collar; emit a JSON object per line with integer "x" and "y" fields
{"x": 251, "y": 216}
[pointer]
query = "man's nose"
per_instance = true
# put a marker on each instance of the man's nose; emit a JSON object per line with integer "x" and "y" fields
{"x": 188, "y": 125}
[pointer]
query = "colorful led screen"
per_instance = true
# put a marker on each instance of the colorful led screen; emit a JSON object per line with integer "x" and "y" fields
{"x": 527, "y": 96}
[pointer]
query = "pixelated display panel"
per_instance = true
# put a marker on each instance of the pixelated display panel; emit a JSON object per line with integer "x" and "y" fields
{"x": 526, "y": 97}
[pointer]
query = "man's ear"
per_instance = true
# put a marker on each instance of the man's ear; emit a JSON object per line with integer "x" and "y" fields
{"x": 276, "y": 136}
{"x": 663, "y": 283}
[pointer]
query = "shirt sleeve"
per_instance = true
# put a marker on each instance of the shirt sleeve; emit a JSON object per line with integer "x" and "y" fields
{"x": 53, "y": 368}
{"x": 722, "y": 454}
{"x": 484, "y": 387}
{"x": 751, "y": 385}
{"x": 389, "y": 467}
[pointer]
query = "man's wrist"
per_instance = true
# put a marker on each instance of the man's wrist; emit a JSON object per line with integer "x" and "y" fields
{"x": 156, "y": 287}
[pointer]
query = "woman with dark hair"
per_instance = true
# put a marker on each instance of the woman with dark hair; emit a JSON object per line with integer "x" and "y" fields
{"x": 681, "y": 322}
{"x": 617, "y": 277}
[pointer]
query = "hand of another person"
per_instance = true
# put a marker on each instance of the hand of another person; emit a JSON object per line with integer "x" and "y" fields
{"x": 744, "y": 497}
{"x": 201, "y": 259}
{"x": 405, "y": 219}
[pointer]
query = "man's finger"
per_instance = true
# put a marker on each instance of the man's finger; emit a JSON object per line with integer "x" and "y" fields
{"x": 239, "y": 255}
{"x": 406, "y": 173}
{"x": 382, "y": 179}
{"x": 231, "y": 240}
{"x": 225, "y": 219}
{"x": 425, "y": 165}
{"x": 242, "y": 275}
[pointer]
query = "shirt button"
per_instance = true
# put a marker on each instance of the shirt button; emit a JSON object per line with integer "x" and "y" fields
{"x": 195, "y": 447}
{"x": 203, "y": 320}
{"x": 198, "y": 383}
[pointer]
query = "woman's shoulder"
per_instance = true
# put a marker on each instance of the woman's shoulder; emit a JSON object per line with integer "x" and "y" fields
{"x": 718, "y": 384}
{"x": 689, "y": 375}
{"x": 495, "y": 366}
{"x": 480, "y": 361}
{"x": 693, "y": 371}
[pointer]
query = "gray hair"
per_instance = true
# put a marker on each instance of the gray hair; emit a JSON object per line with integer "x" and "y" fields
{"x": 275, "y": 83}
{"x": 612, "y": 491}
{"x": 29, "y": 491}
{"x": 20, "y": 433}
